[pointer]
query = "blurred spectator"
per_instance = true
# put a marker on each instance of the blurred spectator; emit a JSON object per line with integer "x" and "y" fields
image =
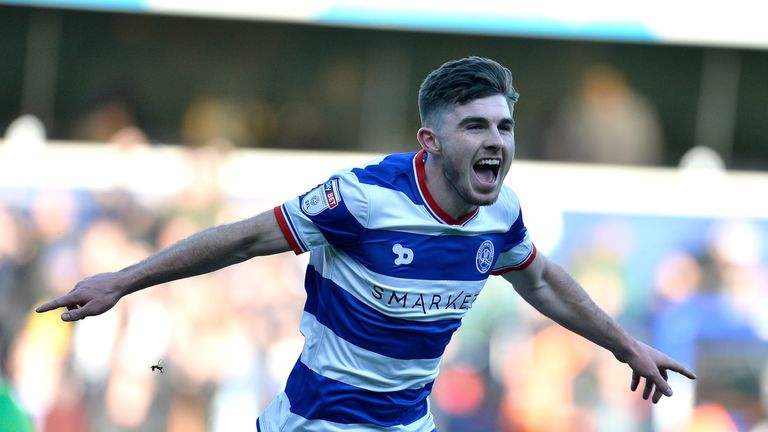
{"x": 539, "y": 379}
{"x": 311, "y": 132}
{"x": 25, "y": 136}
{"x": 19, "y": 251}
{"x": 693, "y": 306}
{"x": 210, "y": 120}
{"x": 604, "y": 121}
{"x": 110, "y": 114}
{"x": 219, "y": 122}
{"x": 704, "y": 318}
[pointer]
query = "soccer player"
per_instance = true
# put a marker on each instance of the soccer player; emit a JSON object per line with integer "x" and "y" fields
{"x": 399, "y": 251}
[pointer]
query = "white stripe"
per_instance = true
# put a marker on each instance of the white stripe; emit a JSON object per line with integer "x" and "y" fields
{"x": 292, "y": 229}
{"x": 506, "y": 210}
{"x": 401, "y": 214}
{"x": 348, "y": 273}
{"x": 353, "y": 197}
{"x": 306, "y": 231}
{"x": 278, "y": 418}
{"x": 515, "y": 256}
{"x": 335, "y": 358}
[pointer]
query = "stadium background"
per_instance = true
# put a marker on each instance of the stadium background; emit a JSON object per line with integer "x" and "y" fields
{"x": 148, "y": 127}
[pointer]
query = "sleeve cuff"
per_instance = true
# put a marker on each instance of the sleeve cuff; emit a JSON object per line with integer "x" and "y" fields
{"x": 522, "y": 266}
{"x": 288, "y": 231}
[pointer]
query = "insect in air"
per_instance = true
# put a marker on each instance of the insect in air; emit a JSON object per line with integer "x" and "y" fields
{"x": 159, "y": 366}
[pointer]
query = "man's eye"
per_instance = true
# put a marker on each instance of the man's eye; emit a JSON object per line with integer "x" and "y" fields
{"x": 507, "y": 126}
{"x": 474, "y": 126}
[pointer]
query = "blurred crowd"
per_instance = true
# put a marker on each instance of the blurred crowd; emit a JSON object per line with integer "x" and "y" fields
{"x": 693, "y": 287}
{"x": 227, "y": 340}
{"x": 699, "y": 294}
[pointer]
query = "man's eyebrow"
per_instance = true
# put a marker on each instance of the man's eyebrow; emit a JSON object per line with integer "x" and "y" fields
{"x": 473, "y": 119}
{"x": 477, "y": 119}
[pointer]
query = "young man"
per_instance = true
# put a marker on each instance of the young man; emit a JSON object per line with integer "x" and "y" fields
{"x": 400, "y": 249}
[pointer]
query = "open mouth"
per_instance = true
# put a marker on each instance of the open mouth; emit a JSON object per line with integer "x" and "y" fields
{"x": 487, "y": 170}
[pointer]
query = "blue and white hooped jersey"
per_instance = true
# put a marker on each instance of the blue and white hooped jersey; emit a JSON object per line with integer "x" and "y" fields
{"x": 390, "y": 277}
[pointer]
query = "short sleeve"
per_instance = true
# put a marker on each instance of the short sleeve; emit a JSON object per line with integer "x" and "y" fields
{"x": 332, "y": 213}
{"x": 518, "y": 251}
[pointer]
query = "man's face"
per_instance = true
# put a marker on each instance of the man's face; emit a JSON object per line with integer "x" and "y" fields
{"x": 477, "y": 144}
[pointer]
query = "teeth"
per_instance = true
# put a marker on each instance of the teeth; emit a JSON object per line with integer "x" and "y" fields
{"x": 493, "y": 162}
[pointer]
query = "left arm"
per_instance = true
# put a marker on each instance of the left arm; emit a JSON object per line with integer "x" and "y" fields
{"x": 554, "y": 293}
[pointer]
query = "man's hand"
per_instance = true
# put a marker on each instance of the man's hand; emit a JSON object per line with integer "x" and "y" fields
{"x": 91, "y": 296}
{"x": 652, "y": 365}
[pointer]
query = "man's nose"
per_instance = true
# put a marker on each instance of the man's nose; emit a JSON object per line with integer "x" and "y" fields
{"x": 494, "y": 139}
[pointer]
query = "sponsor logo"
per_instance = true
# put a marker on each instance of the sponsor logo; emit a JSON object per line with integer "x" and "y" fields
{"x": 404, "y": 255}
{"x": 326, "y": 196}
{"x": 331, "y": 189}
{"x": 407, "y": 299}
{"x": 484, "y": 257}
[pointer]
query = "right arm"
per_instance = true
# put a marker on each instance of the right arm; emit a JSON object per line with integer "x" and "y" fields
{"x": 204, "y": 252}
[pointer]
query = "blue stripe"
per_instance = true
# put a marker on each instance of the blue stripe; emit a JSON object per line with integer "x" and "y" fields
{"x": 338, "y": 225}
{"x": 393, "y": 172}
{"x": 316, "y": 397}
{"x": 516, "y": 233}
{"x": 435, "y": 257}
{"x": 258, "y": 427}
{"x": 443, "y": 257}
{"x": 367, "y": 328}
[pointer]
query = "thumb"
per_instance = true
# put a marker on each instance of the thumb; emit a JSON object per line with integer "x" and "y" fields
{"x": 75, "y": 314}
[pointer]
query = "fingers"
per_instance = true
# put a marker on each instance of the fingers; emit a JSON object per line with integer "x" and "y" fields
{"x": 68, "y": 300}
{"x": 648, "y": 388}
{"x": 653, "y": 390}
{"x": 662, "y": 391}
{"x": 656, "y": 377}
{"x": 76, "y": 314}
{"x": 682, "y": 370}
{"x": 51, "y": 305}
{"x": 660, "y": 381}
{"x": 73, "y": 303}
{"x": 656, "y": 396}
{"x": 655, "y": 386}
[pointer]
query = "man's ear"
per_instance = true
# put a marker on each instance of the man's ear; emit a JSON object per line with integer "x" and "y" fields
{"x": 428, "y": 140}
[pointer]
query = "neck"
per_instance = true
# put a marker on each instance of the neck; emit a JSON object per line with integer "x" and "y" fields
{"x": 443, "y": 193}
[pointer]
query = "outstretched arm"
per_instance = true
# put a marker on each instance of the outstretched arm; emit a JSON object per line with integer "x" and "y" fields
{"x": 204, "y": 252}
{"x": 553, "y": 292}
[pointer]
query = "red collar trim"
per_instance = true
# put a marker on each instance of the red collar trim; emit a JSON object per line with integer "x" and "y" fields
{"x": 421, "y": 179}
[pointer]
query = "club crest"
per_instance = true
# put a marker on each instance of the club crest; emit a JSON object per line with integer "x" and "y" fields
{"x": 484, "y": 257}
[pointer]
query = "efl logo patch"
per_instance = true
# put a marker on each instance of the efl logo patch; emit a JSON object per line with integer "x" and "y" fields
{"x": 484, "y": 257}
{"x": 321, "y": 198}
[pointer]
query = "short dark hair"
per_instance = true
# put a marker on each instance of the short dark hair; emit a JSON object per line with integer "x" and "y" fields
{"x": 461, "y": 81}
